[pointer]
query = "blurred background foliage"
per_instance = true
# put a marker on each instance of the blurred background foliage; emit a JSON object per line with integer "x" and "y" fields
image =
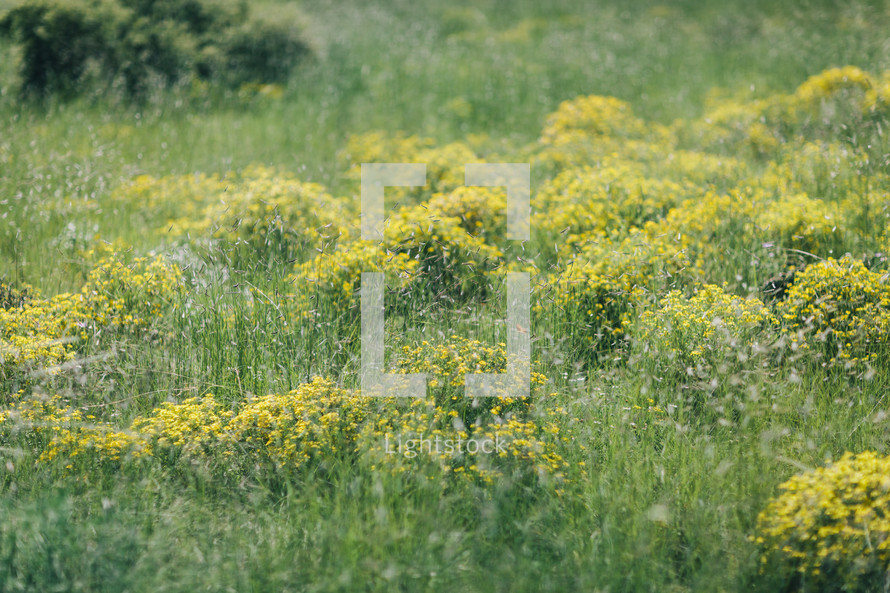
{"x": 140, "y": 45}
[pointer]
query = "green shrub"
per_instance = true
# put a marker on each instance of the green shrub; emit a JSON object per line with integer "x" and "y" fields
{"x": 138, "y": 45}
{"x": 841, "y": 308}
{"x": 58, "y": 42}
{"x": 710, "y": 332}
{"x": 829, "y": 526}
{"x": 263, "y": 49}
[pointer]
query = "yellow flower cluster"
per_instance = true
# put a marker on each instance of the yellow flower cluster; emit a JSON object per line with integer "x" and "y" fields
{"x": 381, "y": 147}
{"x": 449, "y": 362}
{"x": 627, "y": 211}
{"x": 813, "y": 98}
{"x": 592, "y": 116}
{"x": 427, "y": 439}
{"x": 701, "y": 330}
{"x": 38, "y": 414}
{"x": 308, "y": 427}
{"x": 56, "y": 430}
{"x": 826, "y": 164}
{"x": 800, "y": 222}
{"x": 736, "y": 125}
{"x": 841, "y": 304}
{"x": 262, "y": 206}
{"x": 832, "y": 525}
{"x": 594, "y": 294}
{"x": 479, "y": 210}
{"x": 676, "y": 241}
{"x": 131, "y": 294}
{"x": 444, "y": 164}
{"x": 327, "y": 286}
{"x": 826, "y": 101}
{"x": 449, "y": 258}
{"x": 12, "y": 297}
{"x": 195, "y": 425}
{"x": 621, "y": 206}
{"x": 42, "y": 331}
{"x": 315, "y": 422}
{"x": 440, "y": 246}
{"x": 87, "y": 442}
{"x": 171, "y": 198}
{"x": 716, "y": 223}
{"x": 582, "y": 200}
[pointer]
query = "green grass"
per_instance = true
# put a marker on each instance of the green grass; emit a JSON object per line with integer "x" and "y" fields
{"x": 652, "y": 502}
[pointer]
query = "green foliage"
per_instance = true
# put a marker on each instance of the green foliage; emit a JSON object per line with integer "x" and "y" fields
{"x": 702, "y": 332}
{"x": 12, "y": 296}
{"x": 139, "y": 45}
{"x": 58, "y": 42}
{"x": 840, "y": 307}
{"x": 830, "y": 525}
{"x": 263, "y": 49}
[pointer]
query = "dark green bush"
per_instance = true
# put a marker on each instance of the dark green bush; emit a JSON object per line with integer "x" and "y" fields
{"x": 263, "y": 50}
{"x": 141, "y": 45}
{"x": 58, "y": 42}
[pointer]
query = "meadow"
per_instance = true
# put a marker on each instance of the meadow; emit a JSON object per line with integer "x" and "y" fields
{"x": 180, "y": 402}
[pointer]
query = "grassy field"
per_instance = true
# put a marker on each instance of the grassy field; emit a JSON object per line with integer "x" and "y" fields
{"x": 710, "y": 184}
